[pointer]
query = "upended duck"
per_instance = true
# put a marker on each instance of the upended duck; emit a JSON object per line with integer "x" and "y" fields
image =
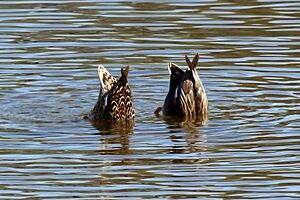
{"x": 186, "y": 97}
{"x": 115, "y": 102}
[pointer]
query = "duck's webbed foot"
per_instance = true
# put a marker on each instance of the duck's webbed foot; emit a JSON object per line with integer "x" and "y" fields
{"x": 156, "y": 112}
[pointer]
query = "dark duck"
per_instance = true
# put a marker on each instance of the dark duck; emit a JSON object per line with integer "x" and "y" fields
{"x": 186, "y": 97}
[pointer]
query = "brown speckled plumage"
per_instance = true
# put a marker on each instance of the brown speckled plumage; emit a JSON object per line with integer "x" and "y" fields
{"x": 115, "y": 102}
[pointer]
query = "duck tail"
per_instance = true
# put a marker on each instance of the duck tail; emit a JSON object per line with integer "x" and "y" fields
{"x": 173, "y": 68}
{"x": 106, "y": 80}
{"x": 101, "y": 71}
{"x": 193, "y": 64}
{"x": 125, "y": 71}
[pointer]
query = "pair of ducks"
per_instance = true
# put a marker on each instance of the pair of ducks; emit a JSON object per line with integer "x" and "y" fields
{"x": 186, "y": 97}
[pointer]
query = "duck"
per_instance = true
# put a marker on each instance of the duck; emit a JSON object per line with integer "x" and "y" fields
{"x": 115, "y": 100}
{"x": 186, "y": 96}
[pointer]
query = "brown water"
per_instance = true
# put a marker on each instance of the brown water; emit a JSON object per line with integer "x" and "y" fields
{"x": 250, "y": 66}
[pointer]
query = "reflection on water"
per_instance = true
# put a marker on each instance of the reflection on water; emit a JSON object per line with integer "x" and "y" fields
{"x": 249, "y": 64}
{"x": 123, "y": 127}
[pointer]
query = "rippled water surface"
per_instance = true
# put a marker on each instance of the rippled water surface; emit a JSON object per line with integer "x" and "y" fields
{"x": 249, "y": 65}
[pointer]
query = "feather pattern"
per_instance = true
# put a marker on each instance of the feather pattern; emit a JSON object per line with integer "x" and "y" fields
{"x": 186, "y": 98}
{"x": 191, "y": 100}
{"x": 115, "y": 101}
{"x": 106, "y": 80}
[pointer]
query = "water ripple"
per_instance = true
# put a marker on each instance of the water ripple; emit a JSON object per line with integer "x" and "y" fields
{"x": 249, "y": 64}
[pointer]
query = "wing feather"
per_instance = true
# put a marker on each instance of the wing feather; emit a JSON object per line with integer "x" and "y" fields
{"x": 186, "y": 98}
{"x": 201, "y": 101}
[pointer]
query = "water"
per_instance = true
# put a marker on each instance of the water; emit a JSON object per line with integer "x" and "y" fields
{"x": 249, "y": 65}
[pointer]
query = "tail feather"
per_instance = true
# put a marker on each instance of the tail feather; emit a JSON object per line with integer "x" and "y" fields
{"x": 125, "y": 71}
{"x": 193, "y": 64}
{"x": 106, "y": 80}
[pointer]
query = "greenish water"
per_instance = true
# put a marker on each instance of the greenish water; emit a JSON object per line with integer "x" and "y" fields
{"x": 249, "y": 65}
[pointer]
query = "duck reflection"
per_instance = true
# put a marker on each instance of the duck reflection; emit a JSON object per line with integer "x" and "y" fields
{"x": 194, "y": 139}
{"x": 115, "y": 138}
